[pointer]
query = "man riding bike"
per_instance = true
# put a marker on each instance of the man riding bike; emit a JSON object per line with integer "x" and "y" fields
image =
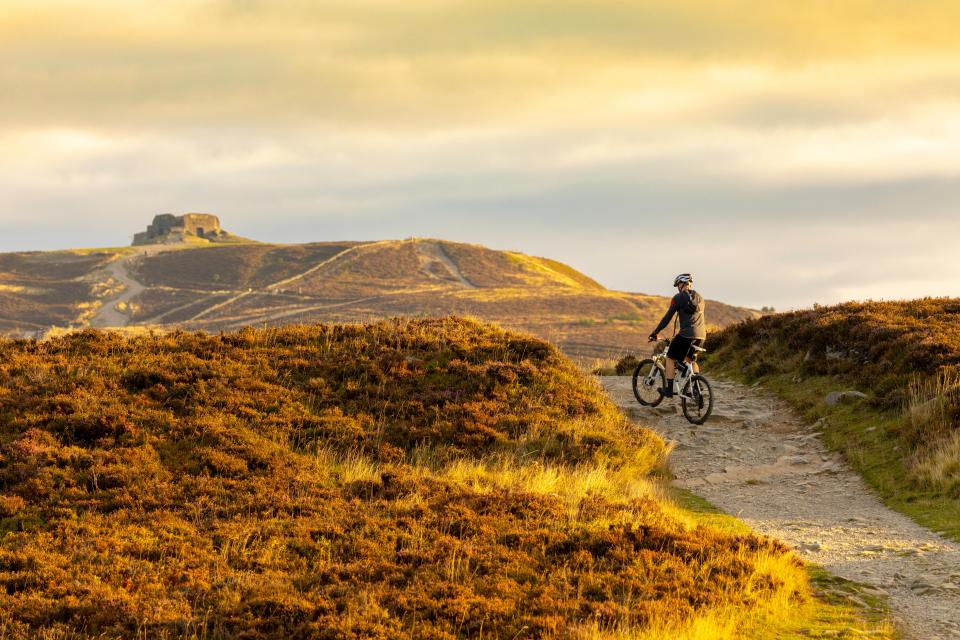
{"x": 688, "y": 306}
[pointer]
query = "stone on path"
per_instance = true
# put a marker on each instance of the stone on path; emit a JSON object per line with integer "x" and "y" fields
{"x": 835, "y": 397}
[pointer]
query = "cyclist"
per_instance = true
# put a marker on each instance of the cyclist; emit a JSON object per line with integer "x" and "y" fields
{"x": 688, "y": 306}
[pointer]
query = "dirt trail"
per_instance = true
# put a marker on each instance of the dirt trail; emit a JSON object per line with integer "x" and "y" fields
{"x": 434, "y": 252}
{"x": 108, "y": 314}
{"x": 756, "y": 460}
{"x": 278, "y": 285}
{"x": 349, "y": 252}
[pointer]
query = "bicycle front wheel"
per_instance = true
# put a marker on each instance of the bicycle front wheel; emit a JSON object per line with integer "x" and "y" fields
{"x": 697, "y": 399}
{"x": 648, "y": 380}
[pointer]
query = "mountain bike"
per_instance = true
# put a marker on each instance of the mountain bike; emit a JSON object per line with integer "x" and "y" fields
{"x": 649, "y": 381}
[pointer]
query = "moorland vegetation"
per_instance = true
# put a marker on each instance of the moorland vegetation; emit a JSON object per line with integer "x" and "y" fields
{"x": 430, "y": 479}
{"x": 223, "y": 287}
{"x": 905, "y": 356}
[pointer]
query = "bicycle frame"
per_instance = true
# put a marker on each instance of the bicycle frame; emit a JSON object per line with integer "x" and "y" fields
{"x": 691, "y": 386}
{"x": 660, "y": 359}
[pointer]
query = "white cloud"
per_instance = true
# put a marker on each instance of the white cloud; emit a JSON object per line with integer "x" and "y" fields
{"x": 742, "y": 143}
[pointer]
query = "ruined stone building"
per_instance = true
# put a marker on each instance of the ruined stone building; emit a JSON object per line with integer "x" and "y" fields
{"x": 168, "y": 228}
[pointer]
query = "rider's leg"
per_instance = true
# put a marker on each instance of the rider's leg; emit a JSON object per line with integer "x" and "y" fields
{"x": 696, "y": 367}
{"x": 671, "y": 367}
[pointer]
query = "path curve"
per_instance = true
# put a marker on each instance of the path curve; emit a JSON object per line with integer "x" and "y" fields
{"x": 118, "y": 270}
{"x": 757, "y": 460}
{"x": 433, "y": 251}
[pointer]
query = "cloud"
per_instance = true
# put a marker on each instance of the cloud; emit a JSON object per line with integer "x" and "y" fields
{"x": 753, "y": 141}
{"x": 427, "y": 62}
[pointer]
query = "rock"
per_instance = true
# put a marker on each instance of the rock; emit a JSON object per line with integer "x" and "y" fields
{"x": 921, "y": 587}
{"x": 833, "y": 354}
{"x": 869, "y": 429}
{"x": 836, "y": 397}
{"x": 810, "y": 546}
{"x": 829, "y": 467}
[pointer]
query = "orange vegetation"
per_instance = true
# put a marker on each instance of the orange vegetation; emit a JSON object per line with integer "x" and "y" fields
{"x": 904, "y": 355}
{"x": 428, "y": 479}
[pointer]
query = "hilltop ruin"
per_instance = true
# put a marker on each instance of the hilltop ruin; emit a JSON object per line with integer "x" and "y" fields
{"x": 167, "y": 228}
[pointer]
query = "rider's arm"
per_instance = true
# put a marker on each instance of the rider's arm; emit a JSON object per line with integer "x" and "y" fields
{"x": 667, "y": 317}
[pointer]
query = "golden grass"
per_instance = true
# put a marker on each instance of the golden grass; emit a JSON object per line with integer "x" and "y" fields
{"x": 412, "y": 479}
{"x": 933, "y": 408}
{"x": 904, "y": 355}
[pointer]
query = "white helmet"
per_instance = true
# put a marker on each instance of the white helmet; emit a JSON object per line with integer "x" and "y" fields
{"x": 683, "y": 278}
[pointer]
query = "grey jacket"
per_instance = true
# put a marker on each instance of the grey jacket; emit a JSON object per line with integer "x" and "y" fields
{"x": 688, "y": 305}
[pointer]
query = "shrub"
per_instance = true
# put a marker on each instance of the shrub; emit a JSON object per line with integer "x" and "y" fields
{"x": 428, "y": 479}
{"x": 626, "y": 365}
{"x": 904, "y": 354}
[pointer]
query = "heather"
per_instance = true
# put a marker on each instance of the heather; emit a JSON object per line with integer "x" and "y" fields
{"x": 406, "y": 479}
{"x": 904, "y": 356}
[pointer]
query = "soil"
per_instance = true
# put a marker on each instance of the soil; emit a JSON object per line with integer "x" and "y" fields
{"x": 757, "y": 460}
{"x": 124, "y": 287}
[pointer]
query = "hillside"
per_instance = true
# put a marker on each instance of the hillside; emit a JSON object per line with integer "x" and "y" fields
{"x": 225, "y": 287}
{"x": 428, "y": 479}
{"x": 904, "y": 435}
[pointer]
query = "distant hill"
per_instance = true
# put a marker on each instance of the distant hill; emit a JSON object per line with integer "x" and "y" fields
{"x": 224, "y": 287}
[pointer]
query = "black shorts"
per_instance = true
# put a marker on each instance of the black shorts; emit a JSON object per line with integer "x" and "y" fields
{"x": 682, "y": 347}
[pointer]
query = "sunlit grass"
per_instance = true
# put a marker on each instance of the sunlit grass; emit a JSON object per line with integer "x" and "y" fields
{"x": 411, "y": 479}
{"x": 904, "y": 355}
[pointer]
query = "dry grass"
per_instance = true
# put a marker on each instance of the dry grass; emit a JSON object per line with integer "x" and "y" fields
{"x": 238, "y": 267}
{"x": 354, "y": 282}
{"x": 933, "y": 408}
{"x": 427, "y": 479}
{"x": 904, "y": 355}
{"x": 39, "y": 290}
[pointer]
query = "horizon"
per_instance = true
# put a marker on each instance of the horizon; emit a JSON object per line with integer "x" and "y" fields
{"x": 786, "y": 155}
{"x": 666, "y": 292}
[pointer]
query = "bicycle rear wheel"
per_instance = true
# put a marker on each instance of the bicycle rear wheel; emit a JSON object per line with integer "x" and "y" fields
{"x": 697, "y": 400}
{"x": 648, "y": 381}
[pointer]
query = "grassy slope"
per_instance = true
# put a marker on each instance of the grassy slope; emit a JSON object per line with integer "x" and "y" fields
{"x": 370, "y": 280}
{"x": 881, "y": 349}
{"x": 429, "y": 479}
{"x": 39, "y": 289}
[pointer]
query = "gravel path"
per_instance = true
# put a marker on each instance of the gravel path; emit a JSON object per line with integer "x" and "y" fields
{"x": 124, "y": 287}
{"x": 758, "y": 461}
{"x": 434, "y": 252}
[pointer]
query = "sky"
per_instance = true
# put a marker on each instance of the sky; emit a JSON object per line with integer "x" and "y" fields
{"x": 786, "y": 153}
